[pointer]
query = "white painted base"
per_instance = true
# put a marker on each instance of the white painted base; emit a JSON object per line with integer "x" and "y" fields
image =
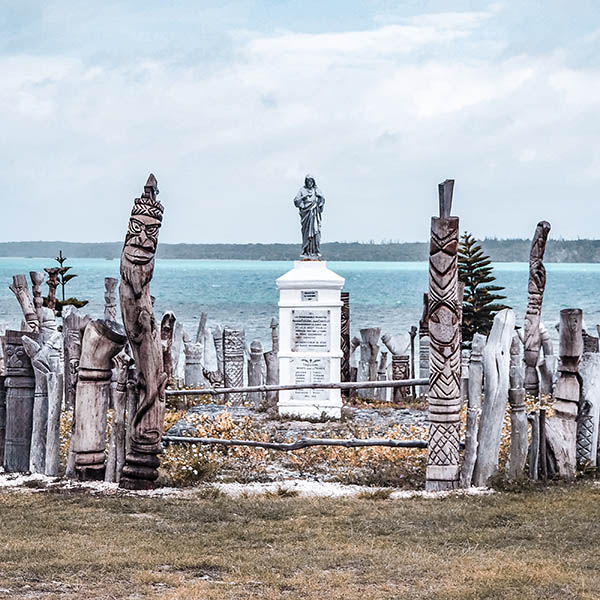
{"x": 309, "y": 342}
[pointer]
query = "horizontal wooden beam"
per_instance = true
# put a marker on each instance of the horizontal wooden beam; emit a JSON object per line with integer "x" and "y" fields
{"x": 312, "y": 386}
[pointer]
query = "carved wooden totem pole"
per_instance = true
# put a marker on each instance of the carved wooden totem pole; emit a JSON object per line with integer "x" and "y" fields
{"x": 561, "y": 429}
{"x": 20, "y": 385}
{"x": 535, "y": 289}
{"x": 517, "y": 457}
{"x": 21, "y": 291}
{"x": 272, "y": 365}
{"x": 233, "y": 362}
{"x": 424, "y": 342}
{"x": 444, "y": 357}
{"x": 37, "y": 278}
{"x": 589, "y": 412}
{"x": 52, "y": 285}
{"x": 137, "y": 267}
{"x": 110, "y": 298}
{"x": 73, "y": 324}
{"x": 345, "y": 336}
{"x": 400, "y": 370}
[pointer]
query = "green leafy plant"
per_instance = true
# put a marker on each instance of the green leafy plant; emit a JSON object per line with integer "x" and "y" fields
{"x": 480, "y": 300}
{"x": 63, "y": 278}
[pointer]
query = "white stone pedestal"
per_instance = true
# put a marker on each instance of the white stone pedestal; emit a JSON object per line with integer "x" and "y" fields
{"x": 310, "y": 338}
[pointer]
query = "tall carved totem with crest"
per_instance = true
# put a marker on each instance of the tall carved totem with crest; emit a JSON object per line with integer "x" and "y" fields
{"x": 143, "y": 331}
{"x": 444, "y": 356}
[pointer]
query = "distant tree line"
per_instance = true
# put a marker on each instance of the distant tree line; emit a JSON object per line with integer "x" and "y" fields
{"x": 515, "y": 250}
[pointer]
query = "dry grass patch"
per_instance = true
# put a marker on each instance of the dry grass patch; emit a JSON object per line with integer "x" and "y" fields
{"x": 535, "y": 544}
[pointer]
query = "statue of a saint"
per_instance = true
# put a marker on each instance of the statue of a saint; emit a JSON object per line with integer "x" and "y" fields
{"x": 309, "y": 200}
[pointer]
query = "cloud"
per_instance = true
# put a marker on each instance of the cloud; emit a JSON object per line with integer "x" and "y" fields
{"x": 381, "y": 115}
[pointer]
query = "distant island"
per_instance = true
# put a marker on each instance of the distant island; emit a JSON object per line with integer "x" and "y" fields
{"x": 513, "y": 250}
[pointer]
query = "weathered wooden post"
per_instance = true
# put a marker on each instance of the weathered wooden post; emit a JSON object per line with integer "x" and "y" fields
{"x": 413, "y": 375}
{"x": 233, "y": 362}
{"x": 546, "y": 366}
{"x": 21, "y": 291}
{"x": 116, "y": 448}
{"x": 20, "y": 385}
{"x": 37, "y": 278}
{"x": 561, "y": 429}
{"x": 110, "y": 298}
{"x": 496, "y": 377}
{"x": 217, "y": 334}
{"x": 272, "y": 364}
{"x": 354, "y": 344}
{"x": 137, "y": 267}
{"x": 345, "y": 336}
{"x": 589, "y": 412}
{"x": 444, "y": 359}
{"x": 380, "y": 393}
{"x": 473, "y": 410}
{"x": 255, "y": 372}
{"x": 167, "y": 329}
{"x": 424, "y": 343}
{"x": 369, "y": 350}
{"x": 535, "y": 289}
{"x": 517, "y": 457}
{"x": 194, "y": 357}
{"x": 102, "y": 341}
{"x": 2, "y": 417}
{"x": 54, "y": 383}
{"x": 52, "y": 285}
{"x": 533, "y": 453}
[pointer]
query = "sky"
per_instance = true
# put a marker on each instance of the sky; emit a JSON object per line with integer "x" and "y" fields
{"x": 231, "y": 103}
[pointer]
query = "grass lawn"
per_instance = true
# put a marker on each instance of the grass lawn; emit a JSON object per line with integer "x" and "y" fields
{"x": 535, "y": 544}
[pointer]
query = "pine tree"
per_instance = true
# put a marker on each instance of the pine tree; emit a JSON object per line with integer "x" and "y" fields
{"x": 480, "y": 298}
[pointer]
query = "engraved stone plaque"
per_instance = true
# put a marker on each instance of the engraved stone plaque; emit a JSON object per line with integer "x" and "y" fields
{"x": 309, "y": 295}
{"x": 310, "y": 330}
{"x": 310, "y": 370}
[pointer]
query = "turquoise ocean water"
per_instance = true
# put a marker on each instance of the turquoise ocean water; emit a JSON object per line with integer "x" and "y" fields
{"x": 386, "y": 295}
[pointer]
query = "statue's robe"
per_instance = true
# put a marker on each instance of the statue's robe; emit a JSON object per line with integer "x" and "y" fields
{"x": 310, "y": 202}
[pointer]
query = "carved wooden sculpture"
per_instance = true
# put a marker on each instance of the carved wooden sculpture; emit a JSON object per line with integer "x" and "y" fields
{"x": 116, "y": 447}
{"x": 444, "y": 359}
{"x": 194, "y": 369}
{"x": 589, "y": 413}
{"x": 547, "y": 365}
{"x": 217, "y": 334}
{"x": 354, "y": 344}
{"x": 52, "y": 285}
{"x": 255, "y": 372}
{"x": 272, "y": 364}
{"x": 110, "y": 298}
{"x": 590, "y": 342}
{"x": 464, "y": 375}
{"x": 345, "y": 336}
{"x": 20, "y": 385}
{"x": 233, "y": 362}
{"x": 102, "y": 341}
{"x": 21, "y": 291}
{"x": 517, "y": 456}
{"x": 72, "y": 327}
{"x": 367, "y": 367}
{"x": 535, "y": 289}
{"x": 167, "y": 329}
{"x": 474, "y": 409}
{"x": 137, "y": 267}
{"x": 561, "y": 429}
{"x": 496, "y": 372}
{"x": 380, "y": 393}
{"x": 2, "y": 417}
{"x": 424, "y": 342}
{"x": 178, "y": 365}
{"x": 37, "y": 278}
{"x": 400, "y": 370}
{"x": 413, "y": 375}
{"x": 55, "y": 396}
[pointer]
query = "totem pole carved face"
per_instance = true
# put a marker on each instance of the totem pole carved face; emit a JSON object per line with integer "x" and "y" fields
{"x": 141, "y": 240}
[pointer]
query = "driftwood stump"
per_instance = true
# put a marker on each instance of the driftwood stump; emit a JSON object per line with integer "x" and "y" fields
{"x": 167, "y": 330}
{"x": 496, "y": 371}
{"x": 535, "y": 289}
{"x": 444, "y": 357}
{"x": 474, "y": 409}
{"x": 21, "y": 291}
{"x": 137, "y": 268}
{"x": 561, "y": 429}
{"x": 20, "y": 386}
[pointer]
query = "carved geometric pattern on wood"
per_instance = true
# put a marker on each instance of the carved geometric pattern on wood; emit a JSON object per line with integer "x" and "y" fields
{"x": 443, "y": 447}
{"x": 585, "y": 436}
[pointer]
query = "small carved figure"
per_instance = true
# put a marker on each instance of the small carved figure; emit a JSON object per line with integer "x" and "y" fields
{"x": 310, "y": 200}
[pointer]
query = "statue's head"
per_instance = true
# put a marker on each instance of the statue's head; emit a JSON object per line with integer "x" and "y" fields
{"x": 141, "y": 239}
{"x": 309, "y": 181}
